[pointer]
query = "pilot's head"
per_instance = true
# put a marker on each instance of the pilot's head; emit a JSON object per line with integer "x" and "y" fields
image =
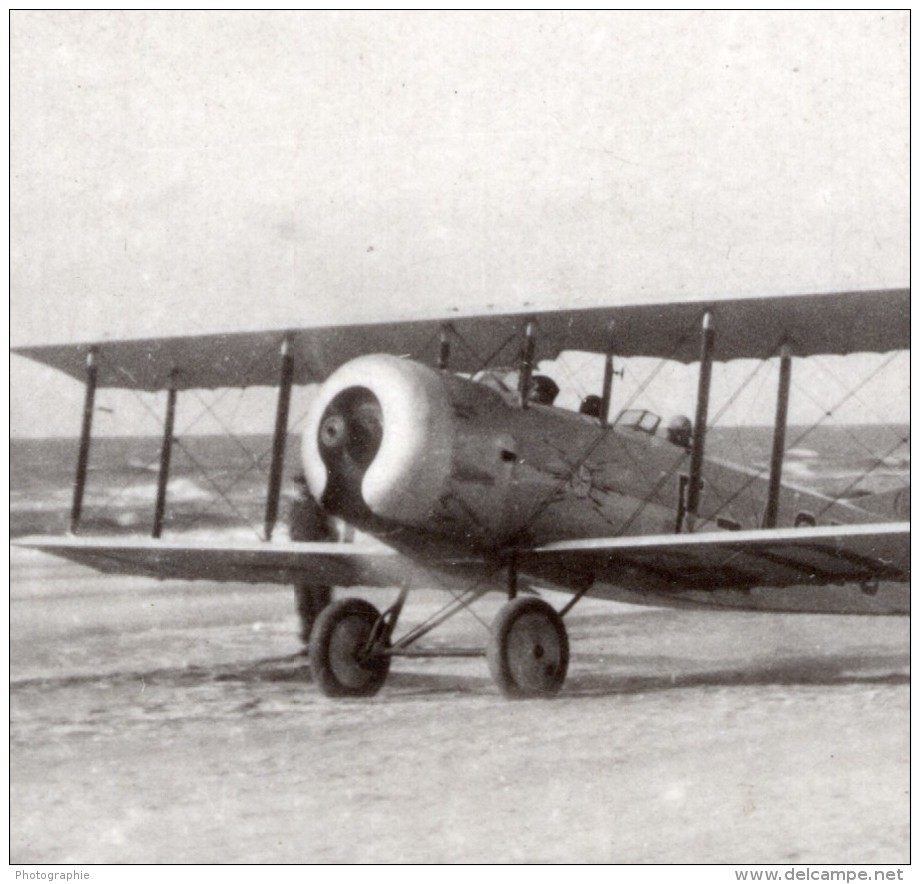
{"x": 591, "y": 406}
{"x": 543, "y": 390}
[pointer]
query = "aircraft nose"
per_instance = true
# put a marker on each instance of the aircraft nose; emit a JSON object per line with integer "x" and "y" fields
{"x": 349, "y": 437}
{"x": 378, "y": 441}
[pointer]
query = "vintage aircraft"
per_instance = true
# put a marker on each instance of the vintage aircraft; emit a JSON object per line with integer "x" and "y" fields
{"x": 473, "y": 486}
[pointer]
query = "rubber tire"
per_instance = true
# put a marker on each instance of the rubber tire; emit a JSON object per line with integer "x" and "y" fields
{"x": 340, "y": 630}
{"x": 517, "y": 640}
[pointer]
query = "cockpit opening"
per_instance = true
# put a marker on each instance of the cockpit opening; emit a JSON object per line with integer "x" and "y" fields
{"x": 543, "y": 389}
{"x": 639, "y": 419}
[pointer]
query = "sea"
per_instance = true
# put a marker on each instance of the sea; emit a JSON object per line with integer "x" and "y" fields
{"x": 218, "y": 483}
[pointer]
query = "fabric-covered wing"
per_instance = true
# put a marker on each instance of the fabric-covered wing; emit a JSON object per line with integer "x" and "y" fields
{"x": 738, "y": 559}
{"x": 840, "y": 322}
{"x": 328, "y": 564}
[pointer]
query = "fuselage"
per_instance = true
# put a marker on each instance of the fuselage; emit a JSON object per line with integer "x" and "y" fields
{"x": 446, "y": 467}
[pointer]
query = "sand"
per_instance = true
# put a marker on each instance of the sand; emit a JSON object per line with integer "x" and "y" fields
{"x": 170, "y": 722}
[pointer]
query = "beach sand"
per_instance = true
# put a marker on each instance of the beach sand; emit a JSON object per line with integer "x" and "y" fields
{"x": 171, "y": 722}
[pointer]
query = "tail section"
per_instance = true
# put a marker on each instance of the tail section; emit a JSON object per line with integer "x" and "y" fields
{"x": 890, "y": 504}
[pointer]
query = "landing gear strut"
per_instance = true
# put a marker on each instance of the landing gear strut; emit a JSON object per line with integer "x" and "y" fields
{"x": 528, "y": 649}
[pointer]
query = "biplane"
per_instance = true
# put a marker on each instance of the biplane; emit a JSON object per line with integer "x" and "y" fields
{"x": 463, "y": 481}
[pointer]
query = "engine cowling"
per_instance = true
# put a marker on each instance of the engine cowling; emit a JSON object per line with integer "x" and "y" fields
{"x": 391, "y": 441}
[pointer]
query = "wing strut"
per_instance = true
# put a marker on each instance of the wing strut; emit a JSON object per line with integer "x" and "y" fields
{"x": 86, "y": 430}
{"x": 526, "y": 367}
{"x": 699, "y": 426}
{"x": 280, "y": 437}
{"x": 444, "y": 347}
{"x": 779, "y": 438}
{"x": 607, "y": 389}
{"x": 165, "y": 455}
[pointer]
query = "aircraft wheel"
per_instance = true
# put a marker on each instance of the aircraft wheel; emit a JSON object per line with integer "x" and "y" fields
{"x": 341, "y": 663}
{"x": 528, "y": 649}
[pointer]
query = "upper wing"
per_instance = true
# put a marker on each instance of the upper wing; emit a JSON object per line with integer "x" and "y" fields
{"x": 321, "y": 564}
{"x": 700, "y": 566}
{"x": 839, "y": 322}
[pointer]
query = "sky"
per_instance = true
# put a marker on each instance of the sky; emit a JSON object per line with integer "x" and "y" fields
{"x": 181, "y": 173}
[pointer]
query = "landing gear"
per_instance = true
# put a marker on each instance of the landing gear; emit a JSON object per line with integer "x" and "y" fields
{"x": 351, "y": 646}
{"x": 345, "y": 650}
{"x": 528, "y": 649}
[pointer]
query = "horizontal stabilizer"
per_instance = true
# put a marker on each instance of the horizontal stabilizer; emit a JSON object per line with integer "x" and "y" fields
{"x": 894, "y": 504}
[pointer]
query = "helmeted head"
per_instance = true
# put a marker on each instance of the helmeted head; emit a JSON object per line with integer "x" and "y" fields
{"x": 591, "y": 406}
{"x": 543, "y": 390}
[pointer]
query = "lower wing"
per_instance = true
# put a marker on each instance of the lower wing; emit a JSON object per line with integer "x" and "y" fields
{"x": 727, "y": 569}
{"x": 330, "y": 564}
{"x": 834, "y": 569}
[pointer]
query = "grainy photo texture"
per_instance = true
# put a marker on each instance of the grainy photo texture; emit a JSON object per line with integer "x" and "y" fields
{"x": 459, "y": 437}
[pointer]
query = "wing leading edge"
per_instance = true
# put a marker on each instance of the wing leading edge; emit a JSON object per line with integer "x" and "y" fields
{"x": 835, "y": 323}
{"x": 278, "y": 562}
{"x": 330, "y": 564}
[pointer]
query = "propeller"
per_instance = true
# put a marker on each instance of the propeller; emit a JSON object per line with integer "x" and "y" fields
{"x": 349, "y": 436}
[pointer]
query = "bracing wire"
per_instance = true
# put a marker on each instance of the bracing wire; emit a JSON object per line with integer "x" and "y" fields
{"x": 878, "y": 462}
{"x": 177, "y": 440}
{"x": 804, "y": 435}
{"x": 669, "y": 474}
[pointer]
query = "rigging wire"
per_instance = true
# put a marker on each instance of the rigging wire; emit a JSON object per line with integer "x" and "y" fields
{"x": 669, "y": 474}
{"x": 802, "y": 436}
{"x": 842, "y": 494}
{"x": 177, "y": 441}
{"x": 807, "y": 393}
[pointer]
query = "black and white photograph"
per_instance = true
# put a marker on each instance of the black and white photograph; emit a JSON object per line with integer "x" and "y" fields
{"x": 454, "y": 437}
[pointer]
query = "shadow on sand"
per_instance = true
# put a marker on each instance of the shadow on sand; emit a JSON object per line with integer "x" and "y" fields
{"x": 673, "y": 674}
{"x": 669, "y": 673}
